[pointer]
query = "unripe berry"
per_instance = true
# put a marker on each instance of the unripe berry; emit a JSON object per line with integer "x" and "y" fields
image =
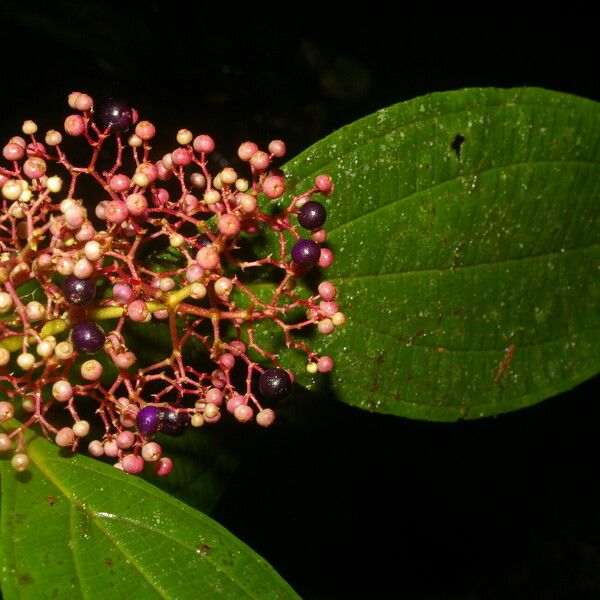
{"x": 6, "y": 302}
{"x": 327, "y": 290}
{"x": 223, "y": 286}
{"x": 325, "y": 364}
{"x": 125, "y": 439}
{"x": 95, "y": 448}
{"x": 81, "y": 428}
{"x": 63, "y": 350}
{"x": 265, "y": 417}
{"x": 151, "y": 451}
{"x": 137, "y": 311}
{"x": 91, "y": 370}
{"x": 4, "y": 357}
{"x": 5, "y": 442}
{"x": 163, "y": 466}
{"x": 7, "y": 411}
{"x": 145, "y": 130}
{"x": 65, "y": 437}
{"x": 74, "y": 125}
{"x": 260, "y": 161}
{"x": 247, "y": 150}
{"x": 229, "y": 225}
{"x": 324, "y": 184}
{"x": 274, "y": 186}
{"x": 203, "y": 143}
{"x": 132, "y": 464}
{"x": 277, "y": 148}
{"x": 62, "y": 390}
{"x": 325, "y": 258}
{"x": 243, "y": 413}
{"x": 20, "y": 462}
{"x": 26, "y": 361}
{"x": 110, "y": 448}
{"x": 208, "y": 258}
{"x": 184, "y": 137}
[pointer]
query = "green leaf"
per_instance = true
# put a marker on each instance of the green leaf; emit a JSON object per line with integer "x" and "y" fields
{"x": 73, "y": 527}
{"x": 466, "y": 229}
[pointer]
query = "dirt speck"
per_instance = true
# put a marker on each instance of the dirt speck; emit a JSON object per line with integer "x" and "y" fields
{"x": 456, "y": 144}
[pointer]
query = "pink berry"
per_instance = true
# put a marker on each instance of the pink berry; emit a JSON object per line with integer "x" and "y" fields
{"x": 260, "y": 161}
{"x": 116, "y": 211}
{"x": 274, "y": 186}
{"x": 132, "y": 464}
{"x": 234, "y": 402}
{"x": 95, "y": 448}
{"x": 65, "y": 437}
{"x": 229, "y": 225}
{"x": 119, "y": 183}
{"x": 181, "y": 157}
{"x": 277, "y": 148}
{"x": 13, "y": 152}
{"x": 137, "y": 204}
{"x": 151, "y": 451}
{"x": 122, "y": 292}
{"x": 328, "y": 308}
{"x": 208, "y": 258}
{"x": 163, "y": 466}
{"x": 326, "y": 258}
{"x": 74, "y": 125}
{"x": 111, "y": 449}
{"x": 265, "y": 417}
{"x": 327, "y": 290}
{"x": 325, "y": 364}
{"x": 324, "y": 184}
{"x": 125, "y": 439}
{"x": 137, "y": 311}
{"x": 214, "y": 396}
{"x": 145, "y": 130}
{"x": 247, "y": 150}
{"x": 203, "y": 143}
{"x": 243, "y": 413}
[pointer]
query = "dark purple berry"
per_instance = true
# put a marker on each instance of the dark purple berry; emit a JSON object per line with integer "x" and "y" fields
{"x": 171, "y": 422}
{"x": 275, "y": 384}
{"x": 306, "y": 253}
{"x": 116, "y": 114}
{"x": 78, "y": 291}
{"x": 87, "y": 337}
{"x": 148, "y": 420}
{"x": 312, "y": 215}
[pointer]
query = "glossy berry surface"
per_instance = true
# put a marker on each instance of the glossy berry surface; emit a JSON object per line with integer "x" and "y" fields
{"x": 78, "y": 291}
{"x": 306, "y": 253}
{"x": 148, "y": 420}
{"x": 88, "y": 337}
{"x": 275, "y": 384}
{"x": 116, "y": 114}
{"x": 172, "y": 423}
{"x": 312, "y": 215}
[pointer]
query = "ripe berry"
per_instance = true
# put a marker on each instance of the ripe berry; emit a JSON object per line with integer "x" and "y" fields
{"x": 171, "y": 422}
{"x": 116, "y": 114}
{"x": 275, "y": 384}
{"x": 312, "y": 215}
{"x": 88, "y": 337}
{"x": 78, "y": 291}
{"x": 306, "y": 253}
{"x": 148, "y": 420}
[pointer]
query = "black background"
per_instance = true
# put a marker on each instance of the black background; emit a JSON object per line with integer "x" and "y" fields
{"x": 342, "y": 503}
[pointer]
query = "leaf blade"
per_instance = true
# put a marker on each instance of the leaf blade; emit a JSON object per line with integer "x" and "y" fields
{"x": 83, "y": 528}
{"x": 455, "y": 216}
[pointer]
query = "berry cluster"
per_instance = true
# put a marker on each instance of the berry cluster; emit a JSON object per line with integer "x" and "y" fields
{"x": 78, "y": 277}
